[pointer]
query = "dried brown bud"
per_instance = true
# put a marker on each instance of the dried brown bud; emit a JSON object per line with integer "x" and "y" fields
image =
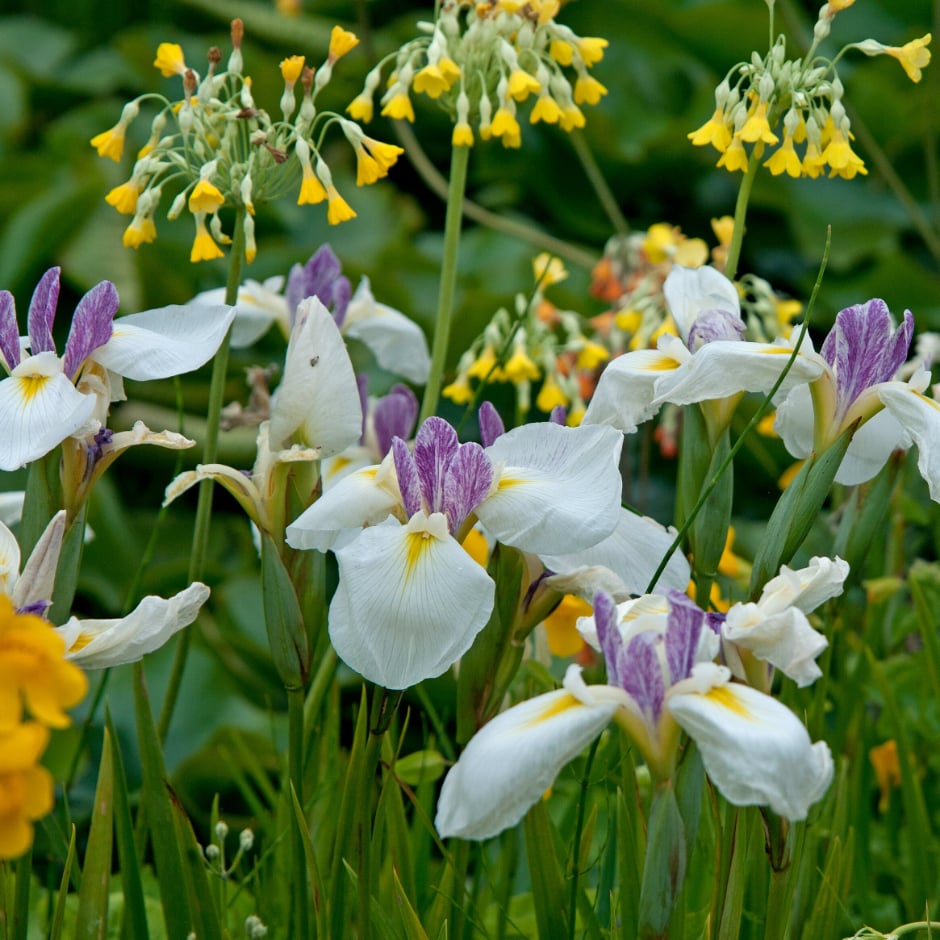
{"x": 278, "y": 155}
{"x": 189, "y": 82}
{"x": 215, "y": 55}
{"x": 307, "y": 79}
{"x": 238, "y": 33}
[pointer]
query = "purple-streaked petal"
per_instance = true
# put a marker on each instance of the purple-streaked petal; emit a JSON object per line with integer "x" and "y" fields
{"x": 320, "y": 277}
{"x": 689, "y": 292}
{"x": 559, "y": 415}
{"x": 42, "y": 312}
{"x": 608, "y": 633}
{"x": 9, "y": 331}
{"x": 394, "y": 415}
{"x": 407, "y": 472}
{"x": 864, "y": 349}
{"x": 682, "y": 635}
{"x": 92, "y": 325}
{"x": 435, "y": 444}
{"x": 491, "y": 424}
{"x": 342, "y": 292}
{"x": 467, "y": 481}
{"x": 641, "y": 674}
{"x": 713, "y": 325}
{"x": 714, "y": 621}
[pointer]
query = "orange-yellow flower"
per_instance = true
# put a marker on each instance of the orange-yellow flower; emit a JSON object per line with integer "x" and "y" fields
{"x": 341, "y": 41}
{"x": 399, "y": 106}
{"x": 361, "y": 108}
{"x": 169, "y": 59}
{"x": 205, "y": 197}
{"x": 204, "y": 247}
{"x": 33, "y": 669}
{"x": 338, "y": 210}
{"x": 785, "y": 159}
{"x": 588, "y": 90}
{"x": 545, "y": 109}
{"x": 757, "y": 127}
{"x": 913, "y": 56}
{"x": 140, "y": 231}
{"x": 714, "y": 131}
{"x": 522, "y": 84}
{"x": 462, "y": 136}
{"x": 110, "y": 143}
{"x": 124, "y": 198}
{"x": 26, "y": 789}
{"x": 561, "y": 626}
{"x": 311, "y": 189}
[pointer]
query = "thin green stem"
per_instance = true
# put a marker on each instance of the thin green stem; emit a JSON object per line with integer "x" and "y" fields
{"x": 740, "y": 212}
{"x": 197, "y": 558}
{"x": 24, "y": 872}
{"x": 576, "y": 848}
{"x": 603, "y": 192}
{"x": 295, "y": 765}
{"x": 460, "y": 157}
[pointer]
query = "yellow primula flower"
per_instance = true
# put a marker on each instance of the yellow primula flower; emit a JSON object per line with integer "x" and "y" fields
{"x": 399, "y": 106}
{"x": 628, "y": 320}
{"x": 550, "y": 395}
{"x": 26, "y": 788}
{"x": 504, "y": 122}
{"x": 691, "y": 253}
{"x": 291, "y": 68}
{"x": 562, "y": 52}
{"x": 548, "y": 269}
{"x": 139, "y": 232}
{"x": 840, "y": 156}
{"x": 571, "y": 117}
{"x": 169, "y": 59}
{"x": 588, "y": 90}
{"x": 813, "y": 161}
{"x": 561, "y": 626}
{"x": 205, "y": 197}
{"x": 204, "y": 248}
{"x": 459, "y": 391}
{"x": 785, "y": 160}
{"x": 386, "y": 155}
{"x": 368, "y": 170}
{"x": 913, "y": 56}
{"x": 33, "y": 669}
{"x": 110, "y": 143}
{"x": 884, "y": 760}
{"x": 463, "y": 135}
{"x": 431, "y": 81}
{"x": 341, "y": 41}
{"x": 520, "y": 368}
{"x": 714, "y": 131}
{"x": 124, "y": 198}
{"x": 591, "y": 355}
{"x": 591, "y": 49}
{"x": 735, "y": 157}
{"x": 361, "y": 108}
{"x": 545, "y": 109}
{"x": 660, "y": 242}
{"x": 485, "y": 366}
{"x": 338, "y": 210}
{"x": 311, "y": 189}
{"x": 522, "y": 84}
{"x": 757, "y": 127}
{"x": 723, "y": 229}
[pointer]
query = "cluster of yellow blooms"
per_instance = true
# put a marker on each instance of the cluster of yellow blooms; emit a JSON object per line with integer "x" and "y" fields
{"x": 218, "y": 149}
{"x": 805, "y": 95}
{"x": 37, "y": 684}
{"x": 541, "y": 343}
{"x": 480, "y": 60}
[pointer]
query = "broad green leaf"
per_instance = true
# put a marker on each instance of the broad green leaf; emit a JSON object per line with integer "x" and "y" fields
{"x": 92, "y": 920}
{"x": 548, "y": 894}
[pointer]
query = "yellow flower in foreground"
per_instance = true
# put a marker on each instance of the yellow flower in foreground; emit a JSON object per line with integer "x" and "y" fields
{"x": 110, "y": 143}
{"x": 504, "y": 122}
{"x": 432, "y": 81}
{"x": 545, "y": 109}
{"x": 124, "y": 198}
{"x": 735, "y": 157}
{"x": 341, "y": 41}
{"x": 785, "y": 160}
{"x": 386, "y": 155}
{"x": 522, "y": 84}
{"x": 33, "y": 669}
{"x": 399, "y": 106}
{"x": 757, "y": 127}
{"x": 560, "y": 625}
{"x": 291, "y": 68}
{"x": 913, "y": 56}
{"x": 361, "y": 108}
{"x": 204, "y": 248}
{"x": 592, "y": 49}
{"x": 839, "y": 154}
{"x": 571, "y": 117}
{"x": 169, "y": 59}
{"x": 714, "y": 131}
{"x": 25, "y": 787}
{"x": 205, "y": 197}
{"x": 463, "y": 135}
{"x": 311, "y": 189}
{"x": 562, "y": 52}
{"x": 367, "y": 170}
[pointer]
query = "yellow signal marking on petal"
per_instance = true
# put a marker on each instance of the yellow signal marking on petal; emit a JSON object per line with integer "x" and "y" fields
{"x": 665, "y": 364}
{"x": 723, "y": 696}
{"x": 81, "y": 641}
{"x": 929, "y": 401}
{"x": 417, "y": 545}
{"x": 563, "y": 704}
{"x": 777, "y": 351}
{"x": 506, "y": 482}
{"x": 31, "y": 386}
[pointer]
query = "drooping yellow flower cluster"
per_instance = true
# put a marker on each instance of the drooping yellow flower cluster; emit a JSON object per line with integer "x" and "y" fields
{"x": 216, "y": 148}
{"x": 481, "y": 60}
{"x": 541, "y": 343}
{"x": 773, "y": 105}
{"x": 37, "y": 684}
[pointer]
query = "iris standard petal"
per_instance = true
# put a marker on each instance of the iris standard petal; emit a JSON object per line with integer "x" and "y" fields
{"x": 39, "y": 408}
{"x": 920, "y": 417}
{"x": 756, "y": 751}
{"x": 318, "y": 398}
{"x": 558, "y": 489}
{"x": 690, "y": 292}
{"x": 166, "y": 341}
{"x": 513, "y": 760}
{"x": 410, "y": 601}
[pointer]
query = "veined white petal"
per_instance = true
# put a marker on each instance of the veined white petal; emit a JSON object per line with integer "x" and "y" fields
{"x": 36, "y": 582}
{"x": 756, "y": 751}
{"x": 725, "y": 368}
{"x": 805, "y": 588}
{"x": 920, "y": 416}
{"x": 99, "y": 644}
{"x": 624, "y": 395}
{"x": 9, "y": 560}
{"x": 690, "y": 292}
{"x": 166, "y": 341}
{"x": 558, "y": 490}
{"x": 318, "y": 398}
{"x": 785, "y": 639}
{"x": 511, "y": 761}
{"x": 633, "y": 552}
{"x": 398, "y": 344}
{"x": 11, "y": 506}
{"x": 870, "y": 447}
{"x": 354, "y": 501}
{"x": 794, "y": 422}
{"x": 410, "y": 601}
{"x": 257, "y": 307}
{"x": 39, "y": 408}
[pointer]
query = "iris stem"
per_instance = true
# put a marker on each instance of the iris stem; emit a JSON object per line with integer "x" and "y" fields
{"x": 460, "y": 157}
{"x": 740, "y": 211}
{"x": 197, "y": 558}
{"x": 295, "y": 769}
